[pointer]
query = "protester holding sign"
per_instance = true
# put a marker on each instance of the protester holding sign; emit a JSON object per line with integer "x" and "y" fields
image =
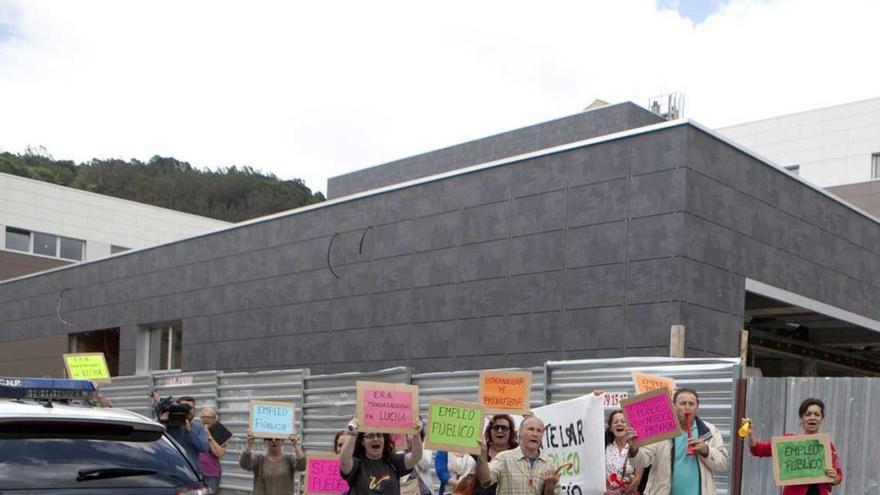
{"x": 620, "y": 475}
{"x": 274, "y": 471}
{"x": 522, "y": 471}
{"x": 811, "y": 413}
{"x": 674, "y": 470}
{"x": 369, "y": 464}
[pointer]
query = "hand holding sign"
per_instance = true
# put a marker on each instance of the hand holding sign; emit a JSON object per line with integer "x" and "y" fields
{"x": 652, "y": 418}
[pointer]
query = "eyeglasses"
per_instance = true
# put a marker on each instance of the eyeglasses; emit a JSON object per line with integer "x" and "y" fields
{"x": 372, "y": 435}
{"x": 500, "y": 427}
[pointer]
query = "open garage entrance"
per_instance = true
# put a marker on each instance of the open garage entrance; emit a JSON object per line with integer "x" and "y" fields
{"x": 790, "y": 335}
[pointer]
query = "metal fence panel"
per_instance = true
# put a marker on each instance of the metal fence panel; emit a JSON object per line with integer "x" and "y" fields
{"x": 200, "y": 385}
{"x": 714, "y": 379}
{"x": 329, "y": 402}
{"x": 851, "y": 405}
{"x": 236, "y": 390}
{"x": 131, "y": 393}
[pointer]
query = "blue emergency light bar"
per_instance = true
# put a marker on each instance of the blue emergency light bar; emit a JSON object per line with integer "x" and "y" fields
{"x": 46, "y": 388}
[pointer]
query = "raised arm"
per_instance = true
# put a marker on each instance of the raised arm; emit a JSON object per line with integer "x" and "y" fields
{"x": 415, "y": 454}
{"x": 346, "y": 463}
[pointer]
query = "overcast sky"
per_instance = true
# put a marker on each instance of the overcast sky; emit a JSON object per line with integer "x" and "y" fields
{"x": 311, "y": 90}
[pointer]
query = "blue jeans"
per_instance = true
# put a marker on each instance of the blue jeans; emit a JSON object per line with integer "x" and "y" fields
{"x": 213, "y": 484}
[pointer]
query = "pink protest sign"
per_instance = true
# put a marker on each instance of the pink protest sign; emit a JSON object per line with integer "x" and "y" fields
{"x": 387, "y": 407}
{"x": 652, "y": 416}
{"x": 322, "y": 475}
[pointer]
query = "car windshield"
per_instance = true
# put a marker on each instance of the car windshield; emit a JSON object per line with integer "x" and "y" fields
{"x": 34, "y": 457}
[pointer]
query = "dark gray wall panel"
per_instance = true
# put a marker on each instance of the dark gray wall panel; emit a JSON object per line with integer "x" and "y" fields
{"x": 577, "y": 127}
{"x": 593, "y": 252}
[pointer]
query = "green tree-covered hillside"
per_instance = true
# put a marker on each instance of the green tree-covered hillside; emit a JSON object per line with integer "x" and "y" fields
{"x": 232, "y": 194}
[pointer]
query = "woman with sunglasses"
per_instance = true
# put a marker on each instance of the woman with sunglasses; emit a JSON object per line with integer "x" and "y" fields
{"x": 500, "y": 435}
{"x": 369, "y": 464}
{"x": 274, "y": 471}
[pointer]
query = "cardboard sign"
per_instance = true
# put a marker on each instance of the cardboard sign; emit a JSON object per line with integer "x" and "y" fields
{"x": 652, "y": 416}
{"x": 87, "y": 366}
{"x": 574, "y": 440}
{"x": 454, "y": 426}
{"x": 646, "y": 383}
{"x": 505, "y": 391}
{"x": 271, "y": 419}
{"x": 387, "y": 407}
{"x": 322, "y": 475}
{"x": 801, "y": 459}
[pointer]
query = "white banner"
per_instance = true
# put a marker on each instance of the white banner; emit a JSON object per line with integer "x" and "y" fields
{"x": 575, "y": 432}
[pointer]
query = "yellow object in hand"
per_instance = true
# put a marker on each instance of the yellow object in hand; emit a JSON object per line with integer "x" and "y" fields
{"x": 745, "y": 428}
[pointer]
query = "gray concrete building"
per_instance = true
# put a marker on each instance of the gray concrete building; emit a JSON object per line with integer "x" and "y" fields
{"x": 587, "y": 236}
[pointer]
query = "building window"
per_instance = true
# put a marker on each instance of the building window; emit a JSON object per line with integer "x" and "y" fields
{"x": 166, "y": 345}
{"x": 875, "y": 166}
{"x": 71, "y": 249}
{"x": 104, "y": 341}
{"x": 18, "y": 240}
{"x": 45, "y": 244}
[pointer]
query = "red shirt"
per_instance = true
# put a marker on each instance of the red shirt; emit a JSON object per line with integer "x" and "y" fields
{"x": 762, "y": 449}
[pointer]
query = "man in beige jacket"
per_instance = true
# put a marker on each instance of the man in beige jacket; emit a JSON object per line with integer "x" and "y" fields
{"x": 673, "y": 471}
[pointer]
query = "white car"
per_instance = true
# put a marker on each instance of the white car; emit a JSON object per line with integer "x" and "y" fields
{"x": 53, "y": 440}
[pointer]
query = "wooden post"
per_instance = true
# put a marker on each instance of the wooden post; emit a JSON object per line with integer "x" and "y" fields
{"x": 743, "y": 346}
{"x": 676, "y": 341}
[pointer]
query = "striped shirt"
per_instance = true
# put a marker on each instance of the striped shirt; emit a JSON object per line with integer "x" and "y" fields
{"x": 511, "y": 470}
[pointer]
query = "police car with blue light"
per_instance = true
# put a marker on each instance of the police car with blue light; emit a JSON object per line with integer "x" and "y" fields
{"x": 54, "y": 439}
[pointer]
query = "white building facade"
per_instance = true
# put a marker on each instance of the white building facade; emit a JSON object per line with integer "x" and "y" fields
{"x": 44, "y": 225}
{"x": 829, "y": 147}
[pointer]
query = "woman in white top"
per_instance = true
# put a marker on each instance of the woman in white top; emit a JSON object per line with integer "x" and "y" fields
{"x": 620, "y": 476}
{"x": 459, "y": 465}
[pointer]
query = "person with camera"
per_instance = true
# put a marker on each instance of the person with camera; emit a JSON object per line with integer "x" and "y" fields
{"x": 178, "y": 420}
{"x": 274, "y": 470}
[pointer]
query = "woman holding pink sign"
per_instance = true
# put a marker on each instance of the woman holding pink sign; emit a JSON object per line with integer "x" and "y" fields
{"x": 369, "y": 464}
{"x": 811, "y": 413}
{"x": 620, "y": 475}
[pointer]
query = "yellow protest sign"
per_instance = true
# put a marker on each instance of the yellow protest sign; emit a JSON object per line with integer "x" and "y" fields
{"x": 646, "y": 383}
{"x": 87, "y": 366}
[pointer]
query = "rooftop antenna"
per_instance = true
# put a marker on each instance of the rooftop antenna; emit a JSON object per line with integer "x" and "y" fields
{"x": 669, "y": 106}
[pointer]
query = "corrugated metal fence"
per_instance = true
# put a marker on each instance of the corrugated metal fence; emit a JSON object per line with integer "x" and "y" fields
{"x": 713, "y": 379}
{"x": 851, "y": 408}
{"x": 328, "y": 401}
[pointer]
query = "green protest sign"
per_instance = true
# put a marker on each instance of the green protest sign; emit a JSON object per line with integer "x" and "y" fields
{"x": 801, "y": 459}
{"x": 454, "y": 426}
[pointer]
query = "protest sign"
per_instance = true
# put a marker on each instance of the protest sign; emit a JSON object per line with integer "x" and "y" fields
{"x": 646, "y": 383}
{"x": 271, "y": 419}
{"x": 505, "y": 391}
{"x": 454, "y": 426}
{"x": 612, "y": 399}
{"x": 801, "y": 459}
{"x": 87, "y": 366}
{"x": 574, "y": 433}
{"x": 322, "y": 475}
{"x": 652, "y": 416}
{"x": 387, "y": 407}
